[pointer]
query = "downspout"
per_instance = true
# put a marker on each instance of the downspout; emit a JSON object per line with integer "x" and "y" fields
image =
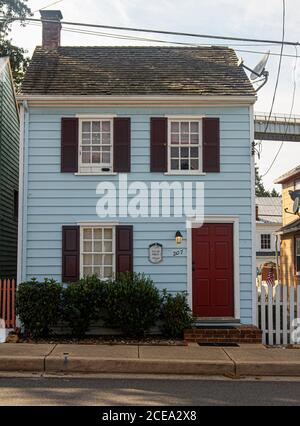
{"x": 253, "y": 221}
{"x": 277, "y": 260}
{"x": 22, "y": 220}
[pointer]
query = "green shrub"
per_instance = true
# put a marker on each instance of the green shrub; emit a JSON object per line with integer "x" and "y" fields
{"x": 38, "y": 306}
{"x": 82, "y": 304}
{"x": 133, "y": 304}
{"x": 176, "y": 315}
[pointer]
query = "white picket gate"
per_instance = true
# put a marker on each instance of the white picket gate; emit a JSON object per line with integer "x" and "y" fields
{"x": 278, "y": 307}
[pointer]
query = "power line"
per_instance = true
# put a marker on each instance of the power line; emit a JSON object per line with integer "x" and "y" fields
{"x": 291, "y": 113}
{"x": 135, "y": 38}
{"x": 176, "y": 33}
{"x": 278, "y": 72}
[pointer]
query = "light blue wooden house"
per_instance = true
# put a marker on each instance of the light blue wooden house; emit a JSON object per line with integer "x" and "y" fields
{"x": 98, "y": 117}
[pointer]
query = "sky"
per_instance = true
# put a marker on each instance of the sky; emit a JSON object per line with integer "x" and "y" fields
{"x": 237, "y": 18}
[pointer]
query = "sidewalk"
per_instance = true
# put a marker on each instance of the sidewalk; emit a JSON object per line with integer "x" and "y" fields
{"x": 247, "y": 360}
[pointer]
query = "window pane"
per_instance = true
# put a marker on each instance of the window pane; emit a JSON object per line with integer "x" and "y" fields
{"x": 108, "y": 234}
{"x": 106, "y": 138}
{"x": 195, "y": 127}
{"x": 97, "y": 233}
{"x": 105, "y": 126}
{"x": 87, "y": 246}
{"x": 194, "y": 165}
{"x": 96, "y": 139}
{"x": 97, "y": 271}
{"x": 96, "y": 126}
{"x": 107, "y": 272}
{"x": 87, "y": 271}
{"x": 174, "y": 152}
{"x": 175, "y": 165}
{"x": 87, "y": 234}
{"x": 195, "y": 139}
{"x": 107, "y": 246}
{"x": 175, "y": 127}
{"x": 194, "y": 152}
{"x": 298, "y": 264}
{"x": 87, "y": 259}
{"x": 86, "y": 157}
{"x": 175, "y": 138}
{"x": 184, "y": 165}
{"x": 185, "y": 127}
{"x": 86, "y": 139}
{"x": 106, "y": 158}
{"x": 97, "y": 260}
{"x": 96, "y": 157}
{"x": 98, "y": 247}
{"x": 86, "y": 126}
{"x": 108, "y": 260}
{"x": 184, "y": 152}
{"x": 185, "y": 138}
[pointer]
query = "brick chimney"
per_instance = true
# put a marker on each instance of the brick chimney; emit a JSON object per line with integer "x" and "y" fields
{"x": 51, "y": 28}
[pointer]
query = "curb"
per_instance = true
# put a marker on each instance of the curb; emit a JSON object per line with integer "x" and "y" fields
{"x": 96, "y": 365}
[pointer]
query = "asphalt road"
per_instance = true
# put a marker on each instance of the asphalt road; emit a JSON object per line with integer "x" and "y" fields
{"x": 146, "y": 391}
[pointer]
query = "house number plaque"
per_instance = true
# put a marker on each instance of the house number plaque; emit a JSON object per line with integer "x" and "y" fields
{"x": 155, "y": 253}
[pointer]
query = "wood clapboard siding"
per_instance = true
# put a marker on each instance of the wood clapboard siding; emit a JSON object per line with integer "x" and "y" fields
{"x": 58, "y": 199}
{"x": 9, "y": 176}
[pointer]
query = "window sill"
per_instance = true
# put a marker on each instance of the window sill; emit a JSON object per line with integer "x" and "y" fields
{"x": 184, "y": 174}
{"x": 95, "y": 174}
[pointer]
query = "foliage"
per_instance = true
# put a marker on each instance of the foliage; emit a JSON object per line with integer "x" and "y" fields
{"x": 38, "y": 306}
{"x": 9, "y": 10}
{"x": 260, "y": 189}
{"x": 176, "y": 315}
{"x": 133, "y": 303}
{"x": 82, "y": 304}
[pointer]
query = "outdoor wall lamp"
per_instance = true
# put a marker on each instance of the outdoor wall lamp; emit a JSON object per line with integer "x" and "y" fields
{"x": 178, "y": 237}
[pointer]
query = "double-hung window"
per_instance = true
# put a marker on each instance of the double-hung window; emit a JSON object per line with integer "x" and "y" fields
{"x": 266, "y": 241}
{"x": 96, "y": 145}
{"x": 97, "y": 251}
{"x": 297, "y": 256}
{"x": 185, "y": 146}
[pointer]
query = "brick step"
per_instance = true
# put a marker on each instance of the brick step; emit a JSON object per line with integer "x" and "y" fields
{"x": 237, "y": 334}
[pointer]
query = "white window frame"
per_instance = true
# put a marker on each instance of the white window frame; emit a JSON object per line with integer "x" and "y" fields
{"x": 297, "y": 254}
{"x": 103, "y": 226}
{"x": 180, "y": 119}
{"x": 297, "y": 185}
{"x": 95, "y": 169}
{"x": 261, "y": 241}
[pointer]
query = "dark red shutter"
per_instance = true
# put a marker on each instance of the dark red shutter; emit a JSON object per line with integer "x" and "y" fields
{"x": 124, "y": 249}
{"x": 70, "y": 253}
{"x": 69, "y": 145}
{"x": 122, "y": 145}
{"x": 211, "y": 145}
{"x": 159, "y": 144}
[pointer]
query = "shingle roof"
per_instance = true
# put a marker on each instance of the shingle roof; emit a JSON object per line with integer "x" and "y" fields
{"x": 269, "y": 209}
{"x": 136, "y": 71}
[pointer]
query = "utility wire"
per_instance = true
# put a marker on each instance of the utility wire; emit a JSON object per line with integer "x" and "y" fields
{"x": 278, "y": 74}
{"x": 127, "y": 37}
{"x": 82, "y": 24}
{"x": 291, "y": 113}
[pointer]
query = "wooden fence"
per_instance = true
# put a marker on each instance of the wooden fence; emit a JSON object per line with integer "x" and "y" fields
{"x": 278, "y": 310}
{"x": 7, "y": 302}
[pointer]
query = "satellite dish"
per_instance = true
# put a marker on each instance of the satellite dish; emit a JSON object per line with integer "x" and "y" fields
{"x": 260, "y": 68}
{"x": 296, "y": 205}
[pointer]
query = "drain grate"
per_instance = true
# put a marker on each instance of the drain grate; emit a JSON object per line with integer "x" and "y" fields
{"x": 220, "y": 345}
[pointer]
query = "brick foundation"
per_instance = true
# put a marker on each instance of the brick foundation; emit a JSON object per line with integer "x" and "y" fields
{"x": 239, "y": 334}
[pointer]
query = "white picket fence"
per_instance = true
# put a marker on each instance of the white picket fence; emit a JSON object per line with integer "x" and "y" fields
{"x": 278, "y": 307}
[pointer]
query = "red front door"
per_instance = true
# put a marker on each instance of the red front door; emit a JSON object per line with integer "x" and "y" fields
{"x": 213, "y": 283}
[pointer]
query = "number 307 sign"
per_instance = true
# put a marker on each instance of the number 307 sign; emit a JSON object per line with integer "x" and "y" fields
{"x": 177, "y": 253}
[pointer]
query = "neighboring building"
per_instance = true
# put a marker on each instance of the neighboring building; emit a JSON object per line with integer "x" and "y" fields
{"x": 150, "y": 114}
{"x": 9, "y": 172}
{"x": 290, "y": 232}
{"x": 268, "y": 219}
